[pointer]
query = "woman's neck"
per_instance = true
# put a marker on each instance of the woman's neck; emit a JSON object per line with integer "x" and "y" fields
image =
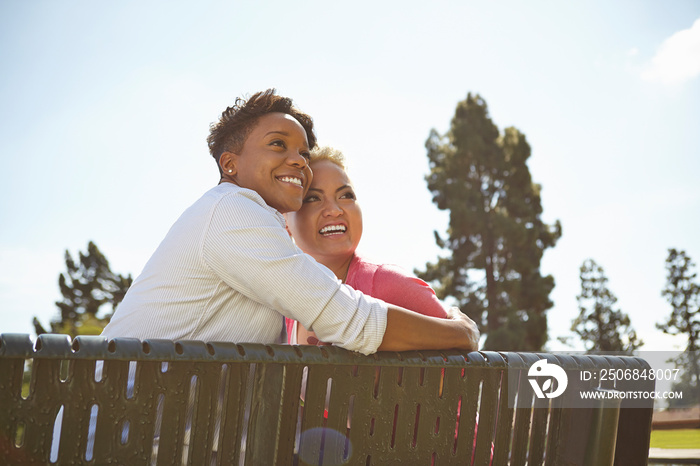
{"x": 339, "y": 265}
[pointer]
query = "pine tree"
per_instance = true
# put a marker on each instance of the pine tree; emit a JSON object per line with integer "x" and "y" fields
{"x": 496, "y": 236}
{"x": 599, "y": 325}
{"x": 86, "y": 287}
{"x": 682, "y": 291}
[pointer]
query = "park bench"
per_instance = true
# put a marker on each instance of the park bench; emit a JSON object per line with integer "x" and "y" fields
{"x": 93, "y": 401}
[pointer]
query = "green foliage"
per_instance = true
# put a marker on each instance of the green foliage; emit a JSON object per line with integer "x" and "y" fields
{"x": 86, "y": 287}
{"x": 682, "y": 292}
{"x": 687, "y": 383}
{"x": 496, "y": 236}
{"x": 599, "y": 326}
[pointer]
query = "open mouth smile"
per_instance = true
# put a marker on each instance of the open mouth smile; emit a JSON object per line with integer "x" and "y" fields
{"x": 291, "y": 179}
{"x": 330, "y": 230}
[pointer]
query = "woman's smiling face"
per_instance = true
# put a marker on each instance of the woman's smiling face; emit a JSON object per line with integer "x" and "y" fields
{"x": 329, "y": 223}
{"x": 273, "y": 162}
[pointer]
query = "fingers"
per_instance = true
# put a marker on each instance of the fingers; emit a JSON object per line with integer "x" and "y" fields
{"x": 472, "y": 329}
{"x": 474, "y": 335}
{"x": 474, "y": 338}
{"x": 312, "y": 340}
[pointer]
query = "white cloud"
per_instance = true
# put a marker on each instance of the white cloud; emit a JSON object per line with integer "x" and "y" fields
{"x": 633, "y": 52}
{"x": 678, "y": 58}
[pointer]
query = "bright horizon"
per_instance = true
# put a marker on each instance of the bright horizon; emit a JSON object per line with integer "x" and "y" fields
{"x": 106, "y": 110}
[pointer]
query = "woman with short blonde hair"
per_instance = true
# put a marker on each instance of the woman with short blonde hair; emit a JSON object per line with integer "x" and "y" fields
{"x": 328, "y": 227}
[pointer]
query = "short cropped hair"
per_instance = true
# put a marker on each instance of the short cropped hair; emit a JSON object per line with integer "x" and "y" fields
{"x": 236, "y": 122}
{"x": 330, "y": 154}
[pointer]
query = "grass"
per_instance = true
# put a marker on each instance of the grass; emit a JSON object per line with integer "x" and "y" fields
{"x": 681, "y": 438}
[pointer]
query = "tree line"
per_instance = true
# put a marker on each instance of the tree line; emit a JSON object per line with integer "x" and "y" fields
{"x": 494, "y": 242}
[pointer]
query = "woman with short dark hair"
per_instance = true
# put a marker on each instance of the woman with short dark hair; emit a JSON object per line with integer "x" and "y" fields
{"x": 228, "y": 271}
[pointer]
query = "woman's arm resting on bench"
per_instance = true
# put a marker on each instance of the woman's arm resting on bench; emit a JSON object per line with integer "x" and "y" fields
{"x": 408, "y": 330}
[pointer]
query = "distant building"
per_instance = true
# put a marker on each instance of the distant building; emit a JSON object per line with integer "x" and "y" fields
{"x": 677, "y": 418}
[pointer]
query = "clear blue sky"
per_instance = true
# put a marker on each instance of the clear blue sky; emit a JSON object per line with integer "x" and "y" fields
{"x": 106, "y": 107}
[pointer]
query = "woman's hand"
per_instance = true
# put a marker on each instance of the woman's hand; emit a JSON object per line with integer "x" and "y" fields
{"x": 312, "y": 340}
{"x": 306, "y": 337}
{"x": 471, "y": 343}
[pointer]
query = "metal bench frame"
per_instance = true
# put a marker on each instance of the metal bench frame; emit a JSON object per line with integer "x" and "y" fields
{"x": 192, "y": 402}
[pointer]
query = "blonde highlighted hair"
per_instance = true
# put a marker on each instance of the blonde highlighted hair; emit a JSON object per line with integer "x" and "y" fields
{"x": 328, "y": 153}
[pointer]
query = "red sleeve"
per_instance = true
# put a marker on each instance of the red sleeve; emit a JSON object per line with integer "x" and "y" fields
{"x": 392, "y": 285}
{"x": 290, "y": 326}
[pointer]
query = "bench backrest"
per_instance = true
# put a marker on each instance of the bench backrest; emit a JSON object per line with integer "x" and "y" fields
{"x": 161, "y": 402}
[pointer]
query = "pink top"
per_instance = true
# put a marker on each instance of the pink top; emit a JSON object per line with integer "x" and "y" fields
{"x": 392, "y": 285}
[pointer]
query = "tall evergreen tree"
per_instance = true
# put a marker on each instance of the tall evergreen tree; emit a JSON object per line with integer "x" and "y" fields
{"x": 599, "y": 326}
{"x": 86, "y": 287}
{"x": 496, "y": 236}
{"x": 682, "y": 291}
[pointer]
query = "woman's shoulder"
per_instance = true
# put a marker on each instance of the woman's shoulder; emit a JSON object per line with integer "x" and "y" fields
{"x": 232, "y": 200}
{"x": 395, "y": 285}
{"x": 372, "y": 275}
{"x": 368, "y": 264}
{"x": 235, "y": 193}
